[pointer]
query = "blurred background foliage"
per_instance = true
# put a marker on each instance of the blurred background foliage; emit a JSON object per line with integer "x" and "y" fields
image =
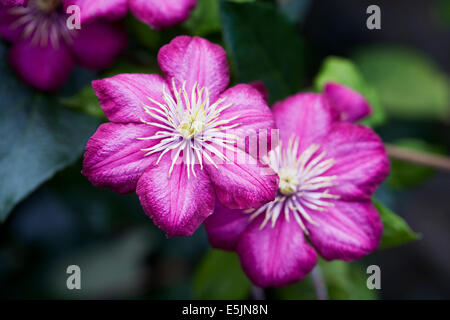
{"x": 51, "y": 216}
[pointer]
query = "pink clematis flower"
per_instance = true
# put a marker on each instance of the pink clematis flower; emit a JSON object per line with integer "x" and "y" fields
{"x": 168, "y": 136}
{"x": 11, "y": 3}
{"x": 44, "y": 50}
{"x": 328, "y": 171}
{"x": 156, "y": 13}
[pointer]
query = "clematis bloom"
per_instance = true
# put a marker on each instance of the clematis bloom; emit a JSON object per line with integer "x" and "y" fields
{"x": 11, "y": 3}
{"x": 44, "y": 51}
{"x": 328, "y": 170}
{"x": 168, "y": 136}
{"x": 156, "y": 13}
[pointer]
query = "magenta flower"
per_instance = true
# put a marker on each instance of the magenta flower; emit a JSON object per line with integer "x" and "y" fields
{"x": 168, "y": 136}
{"x": 11, "y": 3}
{"x": 156, "y": 13}
{"x": 328, "y": 171}
{"x": 44, "y": 50}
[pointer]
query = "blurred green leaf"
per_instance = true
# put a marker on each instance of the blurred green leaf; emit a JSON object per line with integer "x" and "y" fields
{"x": 443, "y": 10}
{"x": 294, "y": 10}
{"x": 264, "y": 46}
{"x": 343, "y": 281}
{"x": 344, "y": 71}
{"x": 408, "y": 83}
{"x": 39, "y": 137}
{"x": 85, "y": 101}
{"x": 219, "y": 276}
{"x": 405, "y": 174}
{"x": 396, "y": 230}
{"x": 124, "y": 66}
{"x": 204, "y": 19}
{"x": 146, "y": 36}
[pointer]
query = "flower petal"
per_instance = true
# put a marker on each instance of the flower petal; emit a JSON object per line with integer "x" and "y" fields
{"x": 161, "y": 14}
{"x": 307, "y": 115}
{"x": 177, "y": 205}
{"x": 12, "y": 3}
{"x": 98, "y": 44}
{"x": 351, "y": 105}
{"x": 225, "y": 226}
{"x": 194, "y": 59}
{"x": 256, "y": 126}
{"x": 242, "y": 182}
{"x": 43, "y": 67}
{"x": 122, "y": 97}
{"x": 8, "y": 31}
{"x": 347, "y": 231}
{"x": 113, "y": 157}
{"x": 276, "y": 256}
{"x": 261, "y": 87}
{"x": 361, "y": 160}
{"x": 105, "y": 9}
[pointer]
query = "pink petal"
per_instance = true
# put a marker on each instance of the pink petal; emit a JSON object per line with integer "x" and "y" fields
{"x": 113, "y": 157}
{"x": 307, "y": 115}
{"x": 225, "y": 226}
{"x": 194, "y": 59}
{"x": 94, "y": 9}
{"x": 361, "y": 160}
{"x": 351, "y": 105}
{"x": 98, "y": 44}
{"x": 8, "y": 31}
{"x": 43, "y": 67}
{"x": 122, "y": 97}
{"x": 250, "y": 108}
{"x": 177, "y": 205}
{"x": 260, "y": 86}
{"x": 12, "y": 3}
{"x": 161, "y": 14}
{"x": 242, "y": 182}
{"x": 274, "y": 257}
{"x": 256, "y": 123}
{"x": 348, "y": 231}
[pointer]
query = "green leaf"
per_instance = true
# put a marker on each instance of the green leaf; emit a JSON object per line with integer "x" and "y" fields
{"x": 343, "y": 281}
{"x": 39, "y": 138}
{"x": 295, "y": 10}
{"x": 396, "y": 230}
{"x": 405, "y": 174}
{"x": 344, "y": 71}
{"x": 204, "y": 19}
{"x": 85, "y": 101}
{"x": 443, "y": 8}
{"x": 146, "y": 36}
{"x": 409, "y": 84}
{"x": 219, "y": 276}
{"x": 263, "y": 46}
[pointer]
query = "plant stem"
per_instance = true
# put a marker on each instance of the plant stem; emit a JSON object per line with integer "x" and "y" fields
{"x": 258, "y": 293}
{"x": 418, "y": 157}
{"x": 319, "y": 284}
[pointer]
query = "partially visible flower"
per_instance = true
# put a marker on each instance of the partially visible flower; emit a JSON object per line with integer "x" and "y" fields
{"x": 328, "y": 171}
{"x": 351, "y": 105}
{"x": 156, "y": 13}
{"x": 11, "y": 3}
{"x": 44, "y": 50}
{"x": 168, "y": 136}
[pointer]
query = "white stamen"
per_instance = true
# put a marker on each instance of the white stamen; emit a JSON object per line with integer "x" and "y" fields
{"x": 302, "y": 182}
{"x": 190, "y": 125}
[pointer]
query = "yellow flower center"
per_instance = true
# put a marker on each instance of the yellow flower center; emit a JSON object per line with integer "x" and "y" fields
{"x": 47, "y": 5}
{"x": 288, "y": 180}
{"x": 193, "y": 123}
